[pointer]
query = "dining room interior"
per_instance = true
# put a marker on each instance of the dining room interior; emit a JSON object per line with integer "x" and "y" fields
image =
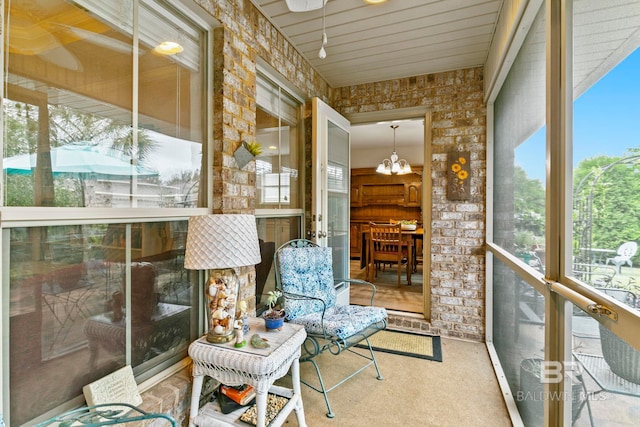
{"x": 381, "y": 198}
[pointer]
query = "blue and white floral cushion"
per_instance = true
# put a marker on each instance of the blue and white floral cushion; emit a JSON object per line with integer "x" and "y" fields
{"x": 308, "y": 271}
{"x": 342, "y": 321}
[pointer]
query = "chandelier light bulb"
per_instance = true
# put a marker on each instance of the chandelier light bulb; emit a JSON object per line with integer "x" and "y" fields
{"x": 393, "y": 166}
{"x": 323, "y": 53}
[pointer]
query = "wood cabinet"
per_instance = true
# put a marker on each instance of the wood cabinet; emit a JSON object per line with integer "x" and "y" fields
{"x": 356, "y": 238}
{"x": 371, "y": 188}
{"x": 356, "y": 199}
{"x": 381, "y": 198}
{"x": 383, "y": 193}
{"x": 412, "y": 195}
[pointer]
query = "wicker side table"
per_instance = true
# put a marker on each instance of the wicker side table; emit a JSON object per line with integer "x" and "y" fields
{"x": 248, "y": 365}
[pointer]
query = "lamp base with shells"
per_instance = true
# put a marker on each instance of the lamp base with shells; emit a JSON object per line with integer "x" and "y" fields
{"x": 222, "y": 295}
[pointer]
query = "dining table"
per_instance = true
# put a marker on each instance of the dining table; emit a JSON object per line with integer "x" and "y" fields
{"x": 408, "y": 236}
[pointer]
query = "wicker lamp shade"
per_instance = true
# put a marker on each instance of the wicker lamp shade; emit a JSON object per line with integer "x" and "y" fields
{"x": 221, "y": 241}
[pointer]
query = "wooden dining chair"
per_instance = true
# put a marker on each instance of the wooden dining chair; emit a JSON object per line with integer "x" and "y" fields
{"x": 386, "y": 246}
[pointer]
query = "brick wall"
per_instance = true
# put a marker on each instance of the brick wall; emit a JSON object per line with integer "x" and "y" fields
{"x": 458, "y": 117}
{"x": 458, "y": 122}
{"x": 244, "y": 36}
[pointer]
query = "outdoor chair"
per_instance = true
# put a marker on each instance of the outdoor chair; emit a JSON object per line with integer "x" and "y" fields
{"x": 594, "y": 274}
{"x": 625, "y": 252}
{"x": 106, "y": 414}
{"x": 617, "y": 370}
{"x": 304, "y": 274}
{"x": 387, "y": 247}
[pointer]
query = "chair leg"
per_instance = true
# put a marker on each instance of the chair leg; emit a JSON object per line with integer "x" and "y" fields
{"x": 585, "y": 402}
{"x": 322, "y": 389}
{"x": 373, "y": 359}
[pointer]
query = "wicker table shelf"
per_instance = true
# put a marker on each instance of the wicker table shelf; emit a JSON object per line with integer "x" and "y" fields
{"x": 248, "y": 365}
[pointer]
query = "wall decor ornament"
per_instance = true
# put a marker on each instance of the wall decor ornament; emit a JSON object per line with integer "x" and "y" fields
{"x": 246, "y": 152}
{"x": 458, "y": 176}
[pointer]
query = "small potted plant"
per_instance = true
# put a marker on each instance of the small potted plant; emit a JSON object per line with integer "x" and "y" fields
{"x": 409, "y": 225}
{"x": 246, "y": 152}
{"x": 274, "y": 315}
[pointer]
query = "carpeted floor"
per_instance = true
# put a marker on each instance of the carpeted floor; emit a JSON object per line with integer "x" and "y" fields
{"x": 460, "y": 391}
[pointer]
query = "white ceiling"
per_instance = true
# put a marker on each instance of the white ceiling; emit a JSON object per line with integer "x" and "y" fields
{"x": 380, "y": 134}
{"x": 395, "y": 39}
{"x": 402, "y": 38}
{"x": 398, "y": 38}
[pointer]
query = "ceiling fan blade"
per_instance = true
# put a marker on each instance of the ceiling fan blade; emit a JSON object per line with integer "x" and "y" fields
{"x": 99, "y": 39}
{"x": 62, "y": 58}
{"x": 305, "y": 5}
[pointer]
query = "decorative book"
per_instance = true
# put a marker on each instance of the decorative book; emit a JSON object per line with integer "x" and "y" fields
{"x": 242, "y": 395}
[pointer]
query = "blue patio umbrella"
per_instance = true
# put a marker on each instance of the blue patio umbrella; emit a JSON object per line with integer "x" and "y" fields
{"x": 79, "y": 160}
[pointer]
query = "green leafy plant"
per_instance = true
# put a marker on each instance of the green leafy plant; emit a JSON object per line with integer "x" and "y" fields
{"x": 275, "y": 304}
{"x": 253, "y": 147}
{"x": 408, "y": 221}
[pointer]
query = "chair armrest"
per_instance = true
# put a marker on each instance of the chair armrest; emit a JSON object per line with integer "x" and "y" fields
{"x": 308, "y": 298}
{"x": 104, "y": 415}
{"x": 304, "y": 297}
{"x": 360, "y": 282}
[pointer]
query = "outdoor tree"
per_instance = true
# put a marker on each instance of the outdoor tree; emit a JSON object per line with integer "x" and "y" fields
{"x": 65, "y": 126}
{"x": 529, "y": 205}
{"x": 602, "y": 206}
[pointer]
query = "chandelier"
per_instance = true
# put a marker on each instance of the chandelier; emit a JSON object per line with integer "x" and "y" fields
{"x": 394, "y": 166}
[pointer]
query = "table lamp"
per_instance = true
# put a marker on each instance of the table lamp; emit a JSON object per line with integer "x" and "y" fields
{"x": 219, "y": 243}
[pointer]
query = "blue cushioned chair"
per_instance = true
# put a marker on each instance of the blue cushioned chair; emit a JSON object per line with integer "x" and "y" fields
{"x": 304, "y": 274}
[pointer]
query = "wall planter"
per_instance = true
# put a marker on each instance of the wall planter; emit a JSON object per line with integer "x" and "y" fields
{"x": 246, "y": 152}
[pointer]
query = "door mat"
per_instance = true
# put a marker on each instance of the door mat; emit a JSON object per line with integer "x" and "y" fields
{"x": 406, "y": 344}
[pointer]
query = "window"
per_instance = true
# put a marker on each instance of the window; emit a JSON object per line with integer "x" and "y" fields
{"x": 279, "y": 204}
{"x": 531, "y": 293}
{"x": 278, "y": 133}
{"x": 605, "y": 195}
{"x": 75, "y": 136}
{"x": 104, "y": 135}
{"x": 518, "y": 220}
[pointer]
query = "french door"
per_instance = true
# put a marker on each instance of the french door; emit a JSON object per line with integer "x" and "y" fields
{"x": 330, "y": 205}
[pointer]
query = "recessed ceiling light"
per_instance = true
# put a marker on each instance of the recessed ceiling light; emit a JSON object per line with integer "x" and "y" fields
{"x": 168, "y": 48}
{"x": 375, "y": 1}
